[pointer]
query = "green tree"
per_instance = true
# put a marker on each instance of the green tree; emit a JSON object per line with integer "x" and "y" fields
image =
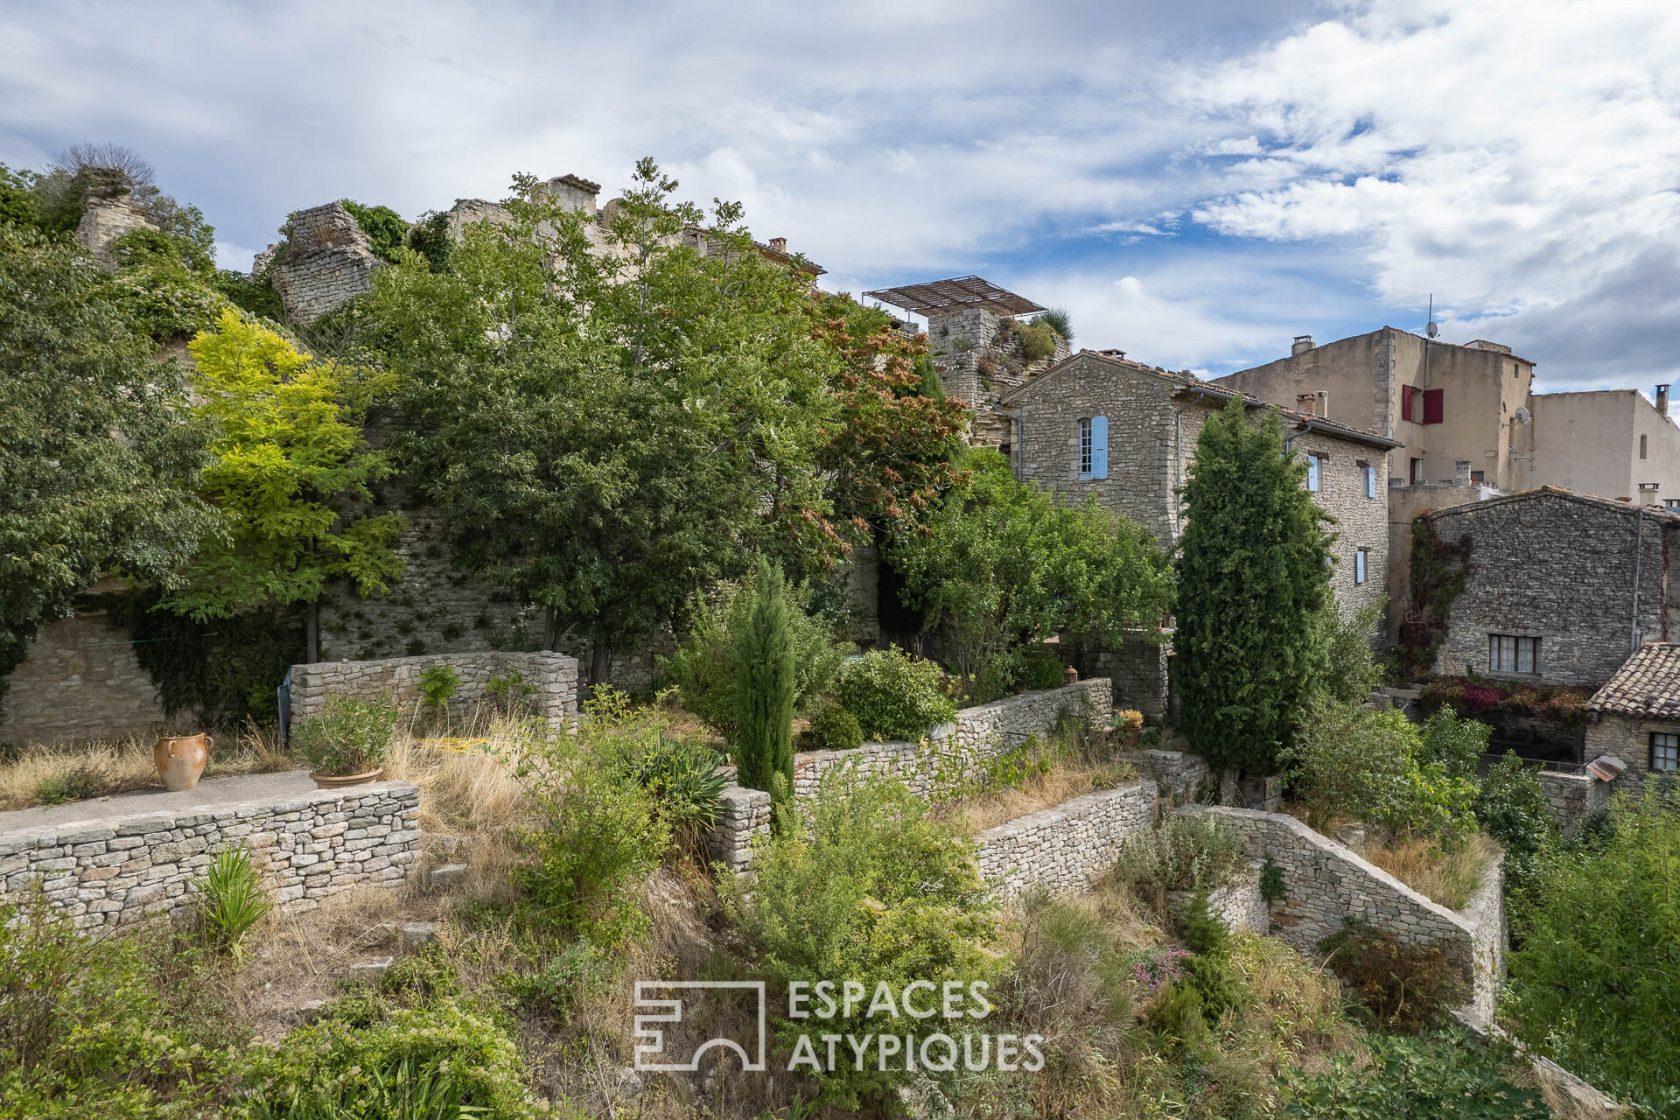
{"x": 1002, "y": 566}
{"x": 764, "y": 673}
{"x": 290, "y": 476}
{"x": 97, "y": 460}
{"x": 385, "y": 228}
{"x": 18, "y": 202}
{"x": 1595, "y": 960}
{"x": 1253, "y": 572}
{"x": 607, "y": 431}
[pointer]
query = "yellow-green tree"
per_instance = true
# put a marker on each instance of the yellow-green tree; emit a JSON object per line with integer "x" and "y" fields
{"x": 290, "y": 475}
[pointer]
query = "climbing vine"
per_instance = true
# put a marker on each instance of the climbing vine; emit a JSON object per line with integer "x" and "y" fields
{"x": 1439, "y": 569}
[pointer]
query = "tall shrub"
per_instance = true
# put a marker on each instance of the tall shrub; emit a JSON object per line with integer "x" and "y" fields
{"x": 764, "y": 672}
{"x": 1253, "y": 573}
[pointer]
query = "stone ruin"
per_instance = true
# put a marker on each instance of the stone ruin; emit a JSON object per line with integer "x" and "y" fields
{"x": 325, "y": 260}
{"x": 104, "y": 219}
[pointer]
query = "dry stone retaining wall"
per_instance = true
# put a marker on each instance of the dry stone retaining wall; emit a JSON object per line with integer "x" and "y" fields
{"x": 1573, "y": 797}
{"x": 743, "y": 816}
{"x": 105, "y": 872}
{"x": 1326, "y": 885}
{"x": 1179, "y": 773}
{"x": 553, "y": 677}
{"x": 1065, "y": 848}
{"x": 962, "y": 750}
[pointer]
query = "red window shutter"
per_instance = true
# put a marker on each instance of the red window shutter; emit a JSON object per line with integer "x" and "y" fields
{"x": 1406, "y": 392}
{"x": 1432, "y": 406}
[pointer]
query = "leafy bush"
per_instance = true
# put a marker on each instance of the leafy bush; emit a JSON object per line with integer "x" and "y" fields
{"x": 1057, "y": 319}
{"x": 1042, "y": 669}
{"x": 596, "y": 834}
{"x": 231, "y": 898}
{"x": 1038, "y": 340}
{"x": 556, "y": 987}
{"x": 437, "y": 1062}
{"x": 1187, "y": 853}
{"x": 1595, "y": 974}
{"x": 385, "y": 228}
{"x": 765, "y": 690}
{"x": 509, "y": 692}
{"x": 832, "y": 728}
{"x": 1373, "y": 766}
{"x": 350, "y": 736}
{"x": 1344, "y": 667}
{"x": 1404, "y": 988}
{"x": 864, "y": 884}
{"x": 1453, "y": 745}
{"x": 894, "y": 695}
{"x": 684, "y": 778}
{"x": 83, "y": 1029}
{"x": 1448, "y": 1075}
{"x": 1513, "y": 809}
{"x": 702, "y": 667}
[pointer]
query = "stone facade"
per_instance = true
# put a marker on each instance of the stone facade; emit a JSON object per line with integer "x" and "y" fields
{"x": 1558, "y": 567}
{"x": 80, "y": 681}
{"x": 1177, "y": 774}
{"x": 1155, "y": 417}
{"x": 111, "y": 870}
{"x": 743, "y": 816}
{"x": 1327, "y": 884}
{"x": 962, "y": 750}
{"x": 1137, "y": 667}
{"x": 1238, "y": 905}
{"x": 1574, "y": 797}
{"x": 1064, "y": 849}
{"x": 1629, "y": 739}
{"x": 104, "y": 220}
{"x": 325, "y": 260}
{"x": 978, "y": 354}
{"x": 552, "y": 677}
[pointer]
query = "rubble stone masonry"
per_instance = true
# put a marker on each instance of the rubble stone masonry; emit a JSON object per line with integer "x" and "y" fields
{"x": 551, "y": 677}
{"x": 1064, "y": 849}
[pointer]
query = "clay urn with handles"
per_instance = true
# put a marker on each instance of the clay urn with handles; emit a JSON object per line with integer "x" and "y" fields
{"x": 180, "y": 759}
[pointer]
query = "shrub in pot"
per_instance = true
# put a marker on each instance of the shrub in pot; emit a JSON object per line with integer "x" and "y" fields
{"x": 346, "y": 743}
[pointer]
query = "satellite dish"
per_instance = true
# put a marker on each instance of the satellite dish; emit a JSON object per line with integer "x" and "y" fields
{"x": 1522, "y": 415}
{"x": 1433, "y": 329}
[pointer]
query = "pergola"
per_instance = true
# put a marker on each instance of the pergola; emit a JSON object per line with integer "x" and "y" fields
{"x": 955, "y": 294}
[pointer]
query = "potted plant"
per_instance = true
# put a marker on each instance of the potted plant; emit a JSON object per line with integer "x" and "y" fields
{"x": 345, "y": 745}
{"x": 1128, "y": 726}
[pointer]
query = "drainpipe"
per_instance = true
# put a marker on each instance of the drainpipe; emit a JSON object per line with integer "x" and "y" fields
{"x": 1178, "y": 470}
{"x": 1638, "y": 556}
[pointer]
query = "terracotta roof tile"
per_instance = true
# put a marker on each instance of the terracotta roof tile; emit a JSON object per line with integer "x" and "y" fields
{"x": 1647, "y": 684}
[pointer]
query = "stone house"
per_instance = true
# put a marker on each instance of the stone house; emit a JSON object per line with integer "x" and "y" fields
{"x": 1099, "y": 423}
{"x": 1635, "y": 717}
{"x": 1559, "y": 587}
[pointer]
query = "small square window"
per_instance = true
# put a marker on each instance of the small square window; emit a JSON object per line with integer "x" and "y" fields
{"x": 1665, "y": 751}
{"x": 1510, "y": 653}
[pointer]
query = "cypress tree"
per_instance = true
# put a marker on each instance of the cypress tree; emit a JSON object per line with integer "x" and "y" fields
{"x": 764, "y": 689}
{"x": 1253, "y": 571}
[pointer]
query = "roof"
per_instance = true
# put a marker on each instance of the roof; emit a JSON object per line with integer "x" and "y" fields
{"x": 1189, "y": 385}
{"x": 954, "y": 295}
{"x": 1654, "y": 512}
{"x": 1647, "y": 684}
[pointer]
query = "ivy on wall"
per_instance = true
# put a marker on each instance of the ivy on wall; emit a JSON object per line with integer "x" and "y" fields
{"x": 1438, "y": 572}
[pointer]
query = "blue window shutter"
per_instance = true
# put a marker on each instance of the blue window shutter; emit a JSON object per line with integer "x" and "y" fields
{"x": 1099, "y": 447}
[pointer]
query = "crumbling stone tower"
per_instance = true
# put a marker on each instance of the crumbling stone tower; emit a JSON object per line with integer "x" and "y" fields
{"x": 979, "y": 345}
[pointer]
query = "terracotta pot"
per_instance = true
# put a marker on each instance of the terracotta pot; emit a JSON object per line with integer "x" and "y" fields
{"x": 338, "y": 781}
{"x": 180, "y": 759}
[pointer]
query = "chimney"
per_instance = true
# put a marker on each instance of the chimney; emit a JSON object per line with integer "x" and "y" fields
{"x": 1306, "y": 404}
{"x": 1662, "y": 399}
{"x": 1303, "y": 343}
{"x": 778, "y": 244}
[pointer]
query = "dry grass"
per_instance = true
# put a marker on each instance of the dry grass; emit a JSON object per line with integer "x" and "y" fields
{"x": 1449, "y": 878}
{"x": 51, "y": 774}
{"x": 1062, "y": 782}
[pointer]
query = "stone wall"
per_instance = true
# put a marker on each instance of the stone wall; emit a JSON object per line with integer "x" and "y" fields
{"x": 1559, "y": 567}
{"x": 962, "y": 750}
{"x": 104, "y": 220}
{"x": 743, "y": 817}
{"x": 1327, "y": 884}
{"x": 1179, "y": 774}
{"x": 1574, "y": 797}
{"x": 553, "y": 677}
{"x": 80, "y": 681}
{"x": 325, "y": 261}
{"x": 111, "y": 870}
{"x": 1138, "y": 668}
{"x": 1065, "y": 848}
{"x": 1628, "y": 739}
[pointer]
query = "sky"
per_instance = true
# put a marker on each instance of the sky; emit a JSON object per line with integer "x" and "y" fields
{"x": 1196, "y": 183}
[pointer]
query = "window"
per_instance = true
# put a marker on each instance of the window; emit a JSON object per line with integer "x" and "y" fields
{"x": 1478, "y": 477}
{"x": 1093, "y": 448}
{"x": 1671, "y": 503}
{"x": 1434, "y": 406}
{"x": 1416, "y": 471}
{"x": 1315, "y": 473}
{"x": 1642, "y": 447}
{"x": 1408, "y": 403}
{"x": 1665, "y": 751}
{"x": 1359, "y": 560}
{"x": 1508, "y": 653}
{"x": 1369, "y": 474}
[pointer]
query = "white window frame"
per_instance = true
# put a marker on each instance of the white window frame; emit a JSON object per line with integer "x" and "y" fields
{"x": 1668, "y": 761}
{"x": 1509, "y": 653}
{"x": 1315, "y": 473}
{"x": 1370, "y": 480}
{"x": 1361, "y": 565}
{"x": 1087, "y": 447}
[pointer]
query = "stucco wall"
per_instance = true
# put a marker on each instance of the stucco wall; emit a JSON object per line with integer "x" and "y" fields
{"x": 109, "y": 870}
{"x": 1589, "y": 442}
{"x": 1065, "y": 848}
{"x": 80, "y": 681}
{"x": 1550, "y": 566}
{"x": 551, "y": 677}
